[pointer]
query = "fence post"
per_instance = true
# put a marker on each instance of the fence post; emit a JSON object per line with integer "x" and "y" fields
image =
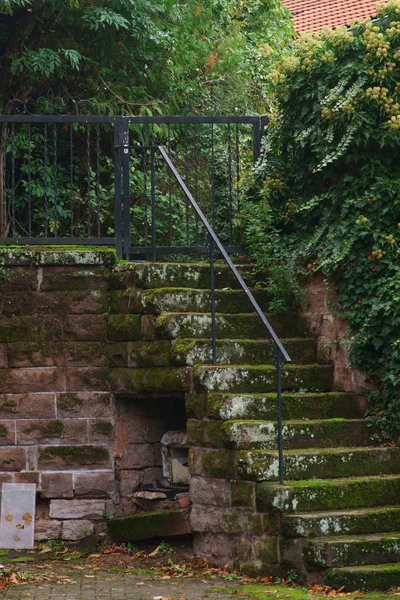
{"x": 121, "y": 185}
{"x": 259, "y": 126}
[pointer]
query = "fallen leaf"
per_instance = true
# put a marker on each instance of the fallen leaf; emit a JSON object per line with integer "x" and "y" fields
{"x": 154, "y": 553}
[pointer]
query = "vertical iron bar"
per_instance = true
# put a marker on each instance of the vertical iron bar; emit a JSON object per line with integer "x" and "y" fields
{"x": 71, "y": 175}
{"x": 153, "y": 205}
{"x": 212, "y": 176}
{"x": 170, "y": 188}
{"x": 256, "y": 140}
{"x": 118, "y": 141}
{"x": 89, "y": 208}
{"x": 196, "y": 181}
{"x": 146, "y": 235}
{"x": 98, "y": 177}
{"x": 230, "y": 182}
{"x": 212, "y": 288}
{"x": 3, "y": 208}
{"x": 13, "y": 177}
{"x": 279, "y": 411}
{"x": 126, "y": 196}
{"x": 45, "y": 187}
{"x": 29, "y": 183}
{"x": 55, "y": 194}
{"x": 187, "y": 183}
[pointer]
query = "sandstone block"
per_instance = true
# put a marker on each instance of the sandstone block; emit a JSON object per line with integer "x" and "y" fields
{"x": 84, "y": 354}
{"x": 12, "y": 459}
{"x": 152, "y": 475}
{"x": 88, "y": 379}
{"x": 47, "y": 529}
{"x": 137, "y": 456}
{"x": 87, "y": 302}
{"x": 57, "y": 485}
{"x": 39, "y": 406}
{"x": 95, "y": 485}
{"x": 67, "y": 458}
{"x": 216, "y": 492}
{"x": 214, "y": 546}
{"x": 129, "y": 482}
{"x": 214, "y": 520}
{"x": 83, "y": 404}
{"x": 51, "y": 431}
{"x": 101, "y": 430}
{"x": 76, "y": 530}
{"x": 3, "y": 356}
{"x": 124, "y": 327}
{"x": 16, "y": 381}
{"x": 27, "y": 477}
{"x": 31, "y": 354}
{"x": 71, "y": 277}
{"x": 86, "y": 328}
{"x": 19, "y": 278}
{"x": 76, "y": 509}
{"x": 7, "y": 433}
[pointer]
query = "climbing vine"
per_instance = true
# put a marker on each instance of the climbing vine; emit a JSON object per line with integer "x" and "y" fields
{"x": 326, "y": 196}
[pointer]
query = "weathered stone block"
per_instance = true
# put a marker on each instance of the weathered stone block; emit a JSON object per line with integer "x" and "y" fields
{"x": 148, "y": 354}
{"x": 88, "y": 379}
{"x": 83, "y": 404}
{"x": 47, "y": 530}
{"x": 95, "y": 485}
{"x": 32, "y": 354}
{"x": 152, "y": 475}
{"x": 48, "y": 431}
{"x": 216, "y": 546}
{"x": 86, "y": 302}
{"x": 196, "y": 405}
{"x": 212, "y": 463}
{"x": 76, "y": 530}
{"x": 3, "y": 356}
{"x": 125, "y": 301}
{"x": 12, "y": 459}
{"x": 19, "y": 278}
{"x": 74, "y": 457}
{"x": 72, "y": 277}
{"x": 101, "y": 430}
{"x": 144, "y": 526}
{"x": 266, "y": 549}
{"x": 83, "y": 354}
{"x": 124, "y": 327}
{"x": 137, "y": 456}
{"x": 85, "y": 328}
{"x": 150, "y": 380}
{"x": 40, "y": 406}
{"x": 243, "y": 494}
{"x": 216, "y": 492}
{"x": 7, "y": 433}
{"x": 214, "y": 520}
{"x": 206, "y": 433}
{"x": 129, "y": 482}
{"x": 76, "y": 509}
{"x": 27, "y": 477}
{"x": 16, "y": 381}
{"x": 57, "y": 485}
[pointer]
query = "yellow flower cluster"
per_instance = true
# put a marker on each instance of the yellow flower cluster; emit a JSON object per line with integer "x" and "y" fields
{"x": 394, "y": 122}
{"x": 276, "y": 77}
{"x": 291, "y": 207}
{"x": 381, "y": 95}
{"x": 375, "y": 40}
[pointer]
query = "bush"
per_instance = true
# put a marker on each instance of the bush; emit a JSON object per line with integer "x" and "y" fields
{"x": 326, "y": 195}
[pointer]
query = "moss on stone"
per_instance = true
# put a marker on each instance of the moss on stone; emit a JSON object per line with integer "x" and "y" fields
{"x": 88, "y": 455}
{"x": 73, "y": 402}
{"x": 196, "y": 405}
{"x": 3, "y": 430}
{"x": 219, "y": 464}
{"x": 124, "y": 327}
{"x": 104, "y": 428}
{"x": 49, "y": 429}
{"x": 153, "y": 380}
{"x": 243, "y": 493}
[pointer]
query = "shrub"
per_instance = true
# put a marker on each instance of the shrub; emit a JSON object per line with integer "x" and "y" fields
{"x": 326, "y": 195}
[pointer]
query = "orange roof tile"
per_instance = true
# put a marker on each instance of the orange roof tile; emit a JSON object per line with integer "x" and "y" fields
{"x": 314, "y": 15}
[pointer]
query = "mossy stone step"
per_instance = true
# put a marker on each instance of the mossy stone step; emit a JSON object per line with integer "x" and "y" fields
{"x": 298, "y": 434}
{"x": 189, "y": 275}
{"x": 326, "y": 405}
{"x": 349, "y": 550}
{"x": 365, "y": 578}
{"x": 199, "y": 300}
{"x": 350, "y": 522}
{"x": 254, "y": 378}
{"x": 258, "y": 465}
{"x": 248, "y": 352}
{"x": 143, "y": 526}
{"x": 328, "y": 494}
{"x": 229, "y": 326}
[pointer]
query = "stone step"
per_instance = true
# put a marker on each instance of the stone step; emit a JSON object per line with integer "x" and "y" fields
{"x": 247, "y": 352}
{"x": 331, "y": 433}
{"x": 349, "y": 550}
{"x": 248, "y": 379}
{"x": 188, "y": 275}
{"x": 143, "y": 526}
{"x": 329, "y": 494}
{"x": 328, "y": 405}
{"x": 366, "y": 578}
{"x": 350, "y": 522}
{"x": 199, "y": 301}
{"x": 258, "y": 465}
{"x": 232, "y": 326}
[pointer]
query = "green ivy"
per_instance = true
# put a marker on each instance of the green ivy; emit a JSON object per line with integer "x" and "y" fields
{"x": 326, "y": 196}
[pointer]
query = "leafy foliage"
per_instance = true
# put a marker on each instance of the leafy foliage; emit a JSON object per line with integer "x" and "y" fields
{"x": 327, "y": 194}
{"x": 139, "y": 56}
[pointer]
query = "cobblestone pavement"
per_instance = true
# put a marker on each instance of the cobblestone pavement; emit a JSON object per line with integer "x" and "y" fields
{"x": 98, "y": 585}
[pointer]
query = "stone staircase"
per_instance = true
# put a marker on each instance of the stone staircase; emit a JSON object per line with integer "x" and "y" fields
{"x": 336, "y": 520}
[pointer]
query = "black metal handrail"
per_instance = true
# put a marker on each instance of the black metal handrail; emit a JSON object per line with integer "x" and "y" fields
{"x": 282, "y": 356}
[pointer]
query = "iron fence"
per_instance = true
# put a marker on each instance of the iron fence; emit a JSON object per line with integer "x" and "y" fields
{"x": 84, "y": 179}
